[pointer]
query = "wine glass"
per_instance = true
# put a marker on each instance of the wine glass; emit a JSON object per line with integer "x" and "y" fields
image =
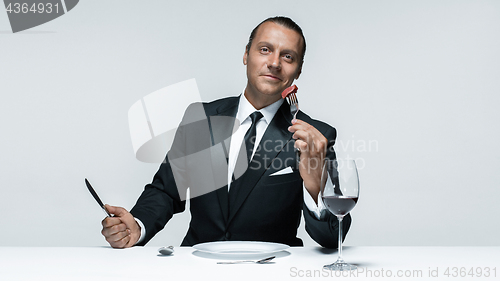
{"x": 339, "y": 192}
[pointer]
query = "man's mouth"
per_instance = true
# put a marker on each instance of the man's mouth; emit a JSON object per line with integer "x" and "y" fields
{"x": 272, "y": 77}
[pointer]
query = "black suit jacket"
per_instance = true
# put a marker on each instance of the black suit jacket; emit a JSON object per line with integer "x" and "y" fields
{"x": 266, "y": 208}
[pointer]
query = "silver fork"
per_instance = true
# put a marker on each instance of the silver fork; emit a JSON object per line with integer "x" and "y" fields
{"x": 294, "y": 108}
{"x": 294, "y": 104}
{"x": 266, "y": 260}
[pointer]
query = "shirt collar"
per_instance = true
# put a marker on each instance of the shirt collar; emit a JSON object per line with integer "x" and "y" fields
{"x": 245, "y": 108}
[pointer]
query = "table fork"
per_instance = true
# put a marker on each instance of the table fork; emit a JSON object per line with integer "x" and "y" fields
{"x": 293, "y": 101}
{"x": 294, "y": 104}
{"x": 266, "y": 260}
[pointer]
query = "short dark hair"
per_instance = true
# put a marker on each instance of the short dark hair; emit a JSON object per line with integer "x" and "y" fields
{"x": 285, "y": 22}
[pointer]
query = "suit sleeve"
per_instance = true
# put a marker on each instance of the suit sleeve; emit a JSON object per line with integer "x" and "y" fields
{"x": 325, "y": 230}
{"x": 161, "y": 199}
{"x": 158, "y": 202}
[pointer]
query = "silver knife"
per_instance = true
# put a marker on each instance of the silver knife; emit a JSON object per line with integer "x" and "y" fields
{"x": 94, "y": 194}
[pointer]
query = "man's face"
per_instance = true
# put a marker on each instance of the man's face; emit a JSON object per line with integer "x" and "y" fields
{"x": 273, "y": 61}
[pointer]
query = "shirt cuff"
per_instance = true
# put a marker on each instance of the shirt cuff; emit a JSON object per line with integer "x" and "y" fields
{"x": 311, "y": 205}
{"x": 143, "y": 230}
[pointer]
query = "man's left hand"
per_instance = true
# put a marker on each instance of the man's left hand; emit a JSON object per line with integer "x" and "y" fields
{"x": 312, "y": 145}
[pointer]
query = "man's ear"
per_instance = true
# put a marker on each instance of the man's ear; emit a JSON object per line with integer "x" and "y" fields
{"x": 245, "y": 58}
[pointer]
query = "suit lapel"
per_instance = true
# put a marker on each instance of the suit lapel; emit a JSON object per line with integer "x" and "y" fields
{"x": 222, "y": 125}
{"x": 276, "y": 131}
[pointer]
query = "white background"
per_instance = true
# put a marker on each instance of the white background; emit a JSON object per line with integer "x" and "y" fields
{"x": 412, "y": 87}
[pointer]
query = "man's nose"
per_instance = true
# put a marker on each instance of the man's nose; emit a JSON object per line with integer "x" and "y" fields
{"x": 274, "y": 61}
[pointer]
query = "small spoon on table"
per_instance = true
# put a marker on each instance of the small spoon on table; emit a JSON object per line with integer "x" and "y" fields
{"x": 165, "y": 251}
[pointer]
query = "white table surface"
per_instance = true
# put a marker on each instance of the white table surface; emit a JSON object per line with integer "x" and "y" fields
{"x": 144, "y": 263}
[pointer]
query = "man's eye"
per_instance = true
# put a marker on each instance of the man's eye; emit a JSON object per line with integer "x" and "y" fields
{"x": 264, "y": 49}
{"x": 288, "y": 57}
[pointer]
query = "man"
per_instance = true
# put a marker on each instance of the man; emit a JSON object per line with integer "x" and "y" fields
{"x": 260, "y": 205}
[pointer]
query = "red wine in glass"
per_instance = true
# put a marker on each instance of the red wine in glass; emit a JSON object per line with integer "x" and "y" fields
{"x": 340, "y": 205}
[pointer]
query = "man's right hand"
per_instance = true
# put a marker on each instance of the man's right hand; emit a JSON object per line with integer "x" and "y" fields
{"x": 122, "y": 230}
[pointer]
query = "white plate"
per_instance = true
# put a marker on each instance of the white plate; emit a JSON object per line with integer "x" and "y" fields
{"x": 240, "y": 248}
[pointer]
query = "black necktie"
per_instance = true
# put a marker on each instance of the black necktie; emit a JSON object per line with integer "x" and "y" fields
{"x": 250, "y": 135}
{"x": 249, "y": 145}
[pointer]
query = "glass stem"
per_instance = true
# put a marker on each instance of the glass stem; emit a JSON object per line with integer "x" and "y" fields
{"x": 340, "y": 239}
